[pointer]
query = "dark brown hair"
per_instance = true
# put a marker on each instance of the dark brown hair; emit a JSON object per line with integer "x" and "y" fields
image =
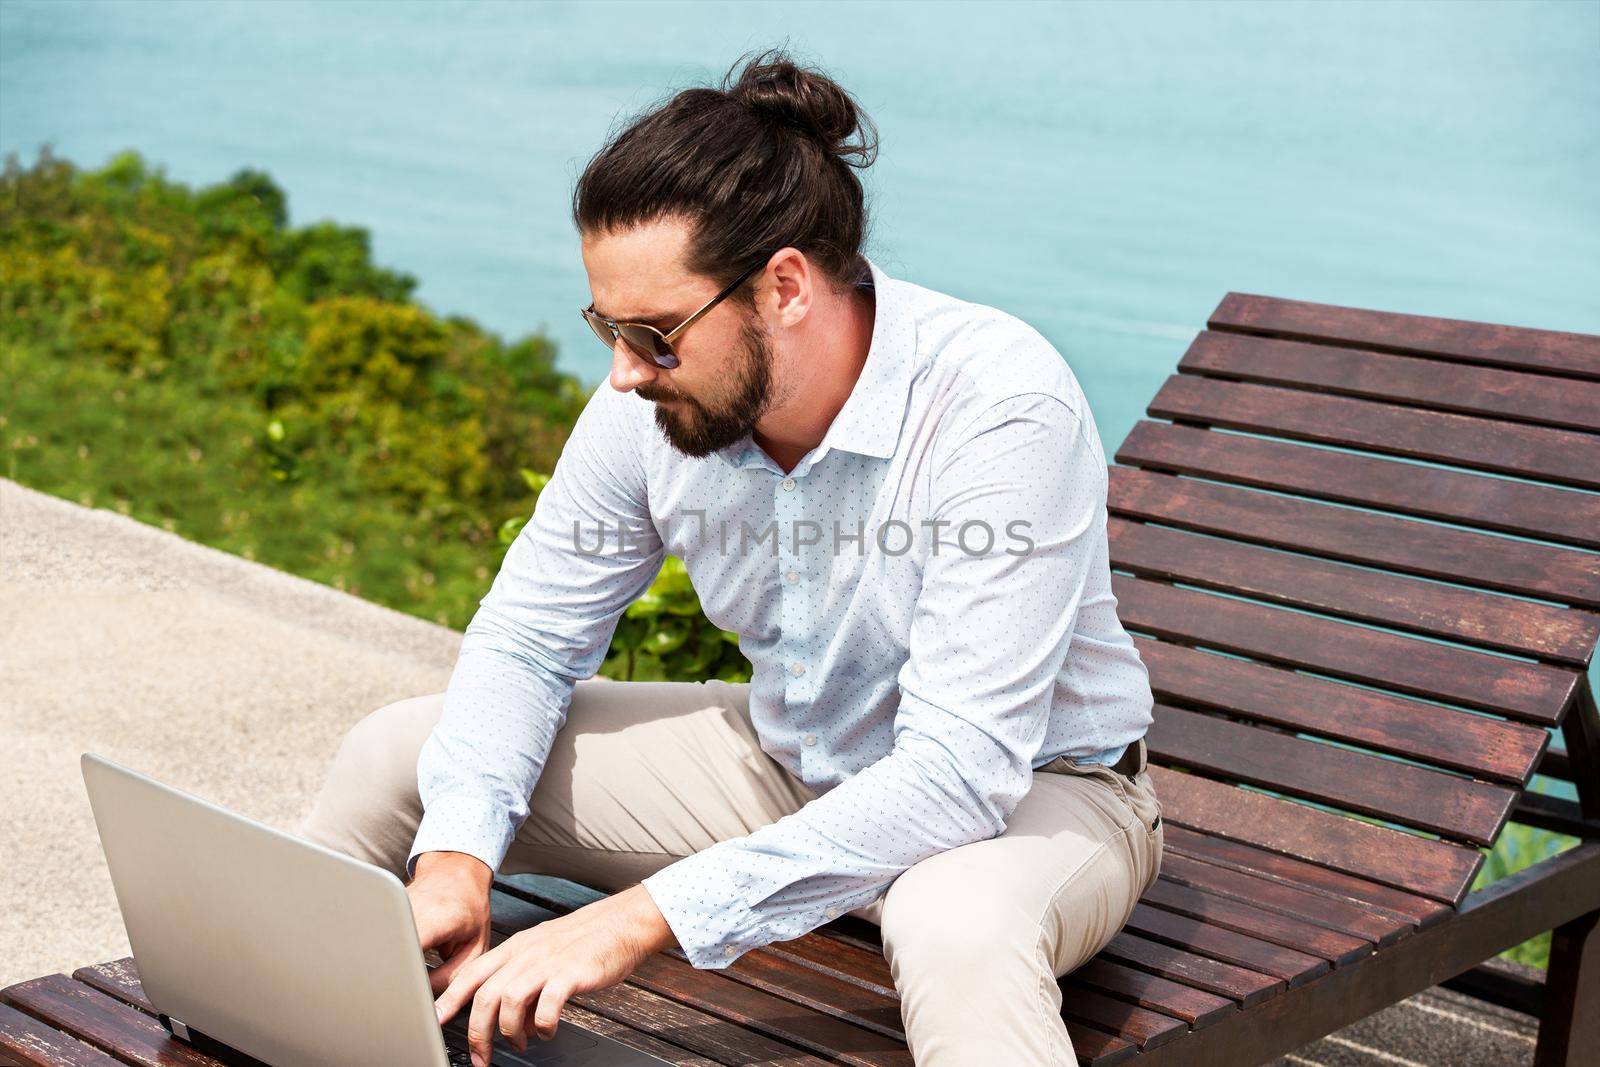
{"x": 765, "y": 161}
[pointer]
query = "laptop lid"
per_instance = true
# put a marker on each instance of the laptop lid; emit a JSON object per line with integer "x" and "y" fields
{"x": 284, "y": 949}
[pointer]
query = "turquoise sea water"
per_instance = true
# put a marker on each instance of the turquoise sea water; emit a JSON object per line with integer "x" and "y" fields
{"x": 1105, "y": 171}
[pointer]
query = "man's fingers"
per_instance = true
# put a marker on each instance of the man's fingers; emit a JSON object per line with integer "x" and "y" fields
{"x": 465, "y": 981}
{"x": 551, "y": 1000}
{"x": 439, "y": 978}
{"x": 484, "y": 1021}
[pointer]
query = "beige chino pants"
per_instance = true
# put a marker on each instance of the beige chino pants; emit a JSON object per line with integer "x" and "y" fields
{"x": 644, "y": 773}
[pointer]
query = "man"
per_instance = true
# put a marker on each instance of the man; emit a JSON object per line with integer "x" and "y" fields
{"x": 897, "y": 500}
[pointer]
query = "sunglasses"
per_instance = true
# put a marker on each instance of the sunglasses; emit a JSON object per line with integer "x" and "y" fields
{"x": 648, "y": 341}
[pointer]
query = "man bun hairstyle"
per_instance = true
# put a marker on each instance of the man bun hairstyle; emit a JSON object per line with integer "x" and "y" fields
{"x": 765, "y": 161}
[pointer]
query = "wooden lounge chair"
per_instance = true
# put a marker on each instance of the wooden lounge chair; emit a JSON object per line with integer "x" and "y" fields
{"x": 1362, "y": 562}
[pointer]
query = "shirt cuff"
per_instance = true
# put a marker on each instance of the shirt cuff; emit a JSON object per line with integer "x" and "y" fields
{"x": 706, "y": 909}
{"x": 473, "y": 825}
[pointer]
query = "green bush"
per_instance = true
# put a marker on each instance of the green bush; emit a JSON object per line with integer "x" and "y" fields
{"x": 188, "y": 358}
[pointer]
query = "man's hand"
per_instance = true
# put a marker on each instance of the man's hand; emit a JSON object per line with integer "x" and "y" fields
{"x": 450, "y": 902}
{"x": 595, "y": 947}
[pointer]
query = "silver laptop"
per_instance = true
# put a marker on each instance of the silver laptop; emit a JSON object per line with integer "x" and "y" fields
{"x": 273, "y": 946}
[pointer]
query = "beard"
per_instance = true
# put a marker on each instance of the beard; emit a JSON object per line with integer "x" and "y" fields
{"x": 698, "y": 428}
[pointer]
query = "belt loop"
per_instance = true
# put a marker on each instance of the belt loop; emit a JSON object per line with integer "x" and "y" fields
{"x": 1143, "y": 760}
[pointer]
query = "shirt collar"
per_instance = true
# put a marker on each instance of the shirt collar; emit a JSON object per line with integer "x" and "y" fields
{"x": 870, "y": 421}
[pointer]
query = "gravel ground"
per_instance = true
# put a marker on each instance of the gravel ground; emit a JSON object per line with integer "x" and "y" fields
{"x": 236, "y": 681}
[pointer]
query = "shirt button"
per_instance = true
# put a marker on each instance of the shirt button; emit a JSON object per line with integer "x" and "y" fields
{"x": 788, "y": 485}
{"x": 797, "y": 669}
{"x": 729, "y": 951}
{"x": 793, "y": 577}
{"x": 811, "y": 739}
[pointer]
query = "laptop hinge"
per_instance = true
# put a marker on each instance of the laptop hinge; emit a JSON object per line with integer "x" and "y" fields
{"x": 175, "y": 1026}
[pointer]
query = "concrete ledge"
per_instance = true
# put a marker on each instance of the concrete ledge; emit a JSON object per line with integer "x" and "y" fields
{"x": 219, "y": 675}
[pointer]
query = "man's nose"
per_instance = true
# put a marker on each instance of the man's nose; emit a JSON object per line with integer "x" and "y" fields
{"x": 628, "y": 368}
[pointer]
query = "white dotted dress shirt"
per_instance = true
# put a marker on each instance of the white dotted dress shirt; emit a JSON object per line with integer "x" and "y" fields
{"x": 925, "y": 600}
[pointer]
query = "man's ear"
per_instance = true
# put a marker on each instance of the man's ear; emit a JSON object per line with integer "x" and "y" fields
{"x": 792, "y": 288}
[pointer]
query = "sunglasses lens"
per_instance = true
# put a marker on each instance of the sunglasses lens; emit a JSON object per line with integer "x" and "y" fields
{"x": 649, "y": 344}
{"x": 601, "y": 330}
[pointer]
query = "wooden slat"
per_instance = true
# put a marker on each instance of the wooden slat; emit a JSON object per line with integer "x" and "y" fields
{"x": 1221, "y": 943}
{"x": 1195, "y": 1006}
{"x": 1527, "y": 509}
{"x": 1145, "y": 1028}
{"x": 1530, "y": 691}
{"x": 1553, "y": 351}
{"x": 1328, "y": 774}
{"x": 1404, "y": 861}
{"x": 1302, "y": 936}
{"x": 1522, "y": 627}
{"x": 1242, "y": 856}
{"x": 778, "y": 1017}
{"x": 1431, "y": 733}
{"x": 1490, "y": 391}
{"x": 26, "y": 1040}
{"x": 1426, "y": 549}
{"x": 108, "y": 1024}
{"x": 1566, "y": 457}
{"x": 1494, "y": 918}
{"x": 1240, "y": 984}
{"x": 118, "y": 978}
{"x": 1357, "y": 923}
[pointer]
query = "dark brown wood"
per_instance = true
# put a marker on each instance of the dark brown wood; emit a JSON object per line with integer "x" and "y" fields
{"x": 1551, "y": 351}
{"x": 1240, "y": 984}
{"x": 118, "y": 978}
{"x": 1430, "y": 733}
{"x": 101, "y": 1021}
{"x": 1221, "y": 943}
{"x": 26, "y": 1040}
{"x": 1516, "y": 395}
{"x": 1404, "y": 861}
{"x": 1329, "y": 774}
{"x": 1569, "y": 1031}
{"x": 1146, "y": 1029}
{"x": 1564, "y": 457}
{"x": 1580, "y": 734}
{"x": 1331, "y": 945}
{"x": 1522, "y": 627}
{"x": 1492, "y": 920}
{"x": 1566, "y": 516}
{"x": 1554, "y": 814}
{"x": 1534, "y": 692}
{"x": 1337, "y": 885}
{"x": 1359, "y": 923}
{"x": 1393, "y": 542}
{"x": 1194, "y": 1006}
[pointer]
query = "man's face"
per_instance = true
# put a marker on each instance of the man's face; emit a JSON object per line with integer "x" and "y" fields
{"x": 721, "y": 385}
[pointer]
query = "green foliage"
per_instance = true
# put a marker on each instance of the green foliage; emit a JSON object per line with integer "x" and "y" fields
{"x": 663, "y": 636}
{"x": 188, "y": 358}
{"x": 1518, "y": 847}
